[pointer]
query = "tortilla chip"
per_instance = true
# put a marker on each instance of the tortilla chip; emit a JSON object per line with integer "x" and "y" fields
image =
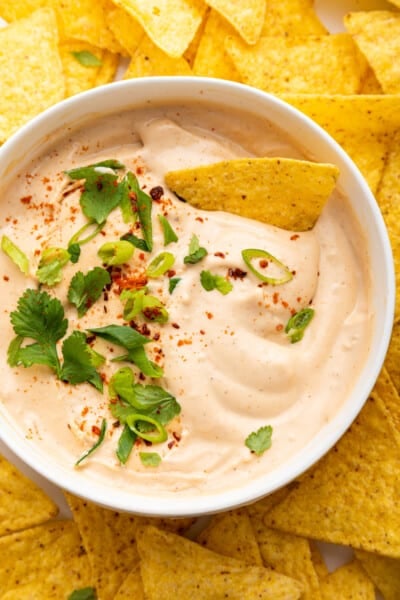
{"x": 79, "y": 78}
{"x": 149, "y": 60}
{"x": 328, "y": 64}
{"x": 191, "y": 51}
{"x": 173, "y": 567}
{"x": 126, "y": 29}
{"x": 370, "y": 84}
{"x": 351, "y": 496}
{"x": 362, "y": 125}
{"x": 377, "y": 34}
{"x": 392, "y": 361}
{"x": 245, "y": 16}
{"x": 387, "y": 392}
{"x": 231, "y": 534}
{"x": 395, "y": 2}
{"x": 259, "y": 508}
{"x": 170, "y": 24}
{"x": 132, "y": 587}
{"x": 252, "y": 187}
{"x": 46, "y": 557}
{"x": 22, "y": 503}
{"x": 290, "y": 555}
{"x": 349, "y": 582}
{"x": 31, "y": 74}
{"x": 291, "y": 18}
{"x": 211, "y": 59}
{"x": 383, "y": 571}
{"x": 388, "y": 197}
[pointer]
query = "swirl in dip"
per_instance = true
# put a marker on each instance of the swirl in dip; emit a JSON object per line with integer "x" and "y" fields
{"x": 226, "y": 357}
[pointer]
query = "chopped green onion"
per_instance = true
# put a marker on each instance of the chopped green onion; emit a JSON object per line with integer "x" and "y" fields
{"x": 96, "y": 445}
{"x": 76, "y": 238}
{"x": 116, "y": 253}
{"x": 156, "y": 436}
{"x": 150, "y": 459}
{"x": 51, "y": 264}
{"x": 87, "y": 59}
{"x": 18, "y": 257}
{"x": 215, "y": 282}
{"x": 125, "y": 444}
{"x": 196, "y": 252}
{"x": 169, "y": 234}
{"x": 250, "y": 253}
{"x": 160, "y": 264}
{"x": 173, "y": 282}
{"x": 297, "y": 323}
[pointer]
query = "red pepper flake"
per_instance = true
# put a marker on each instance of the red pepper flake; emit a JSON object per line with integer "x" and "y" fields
{"x": 45, "y": 180}
{"x": 202, "y": 332}
{"x": 279, "y": 327}
{"x": 171, "y": 273}
{"x": 237, "y": 273}
{"x": 284, "y": 304}
{"x": 26, "y": 199}
{"x": 298, "y": 299}
{"x": 171, "y": 444}
{"x": 85, "y": 411}
{"x": 139, "y": 170}
{"x": 156, "y": 336}
{"x": 184, "y": 342}
{"x": 6, "y": 278}
{"x": 275, "y": 298}
{"x": 176, "y": 436}
{"x": 209, "y": 315}
{"x": 96, "y": 430}
{"x": 199, "y": 219}
{"x": 219, "y": 254}
{"x": 263, "y": 263}
{"x": 175, "y": 325}
{"x": 156, "y": 192}
{"x": 152, "y": 313}
{"x": 295, "y": 236}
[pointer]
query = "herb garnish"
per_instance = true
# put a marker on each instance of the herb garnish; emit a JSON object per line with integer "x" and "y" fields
{"x": 297, "y": 323}
{"x": 215, "y": 282}
{"x": 150, "y": 459}
{"x": 18, "y": 257}
{"x": 160, "y": 265}
{"x": 51, "y": 265}
{"x": 115, "y": 253}
{"x": 173, "y": 282}
{"x": 144, "y": 206}
{"x": 196, "y": 252}
{"x": 139, "y": 302}
{"x": 250, "y": 253}
{"x": 87, "y": 593}
{"x": 87, "y": 59}
{"x": 84, "y": 290}
{"x": 169, "y": 234}
{"x": 259, "y": 441}
{"x": 95, "y": 445}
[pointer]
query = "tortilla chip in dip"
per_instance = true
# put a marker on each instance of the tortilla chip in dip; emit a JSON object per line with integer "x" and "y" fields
{"x": 252, "y": 187}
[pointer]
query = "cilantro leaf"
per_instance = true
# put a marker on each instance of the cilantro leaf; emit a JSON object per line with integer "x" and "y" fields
{"x": 74, "y": 252}
{"x": 168, "y": 233}
{"x": 173, "y": 282}
{"x": 139, "y": 357}
{"x": 125, "y": 444}
{"x": 87, "y": 59}
{"x": 150, "y": 459}
{"x": 136, "y": 241}
{"x": 87, "y": 593}
{"x": 84, "y": 290}
{"x": 102, "y": 192}
{"x": 128, "y": 198}
{"x": 121, "y": 335}
{"x": 51, "y": 265}
{"x": 259, "y": 441}
{"x": 196, "y": 252}
{"x": 215, "y": 282}
{"x": 144, "y": 206}
{"x": 78, "y": 363}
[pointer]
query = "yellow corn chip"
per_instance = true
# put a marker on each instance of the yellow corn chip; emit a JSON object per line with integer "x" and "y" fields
{"x": 392, "y": 361}
{"x": 191, "y": 51}
{"x": 329, "y": 64}
{"x": 349, "y": 582}
{"x": 108, "y": 68}
{"x": 174, "y": 567}
{"x": 22, "y": 503}
{"x": 388, "y": 394}
{"x": 377, "y": 34}
{"x": 149, "y": 60}
{"x": 290, "y": 555}
{"x": 126, "y": 29}
{"x": 245, "y": 16}
{"x": 31, "y": 75}
{"x": 252, "y": 187}
{"x": 132, "y": 587}
{"x": 395, "y": 2}
{"x": 383, "y": 571}
{"x": 211, "y": 59}
{"x": 363, "y": 125}
{"x": 46, "y": 557}
{"x": 170, "y": 24}
{"x": 291, "y": 18}
{"x": 259, "y": 508}
{"x": 79, "y": 78}
{"x": 351, "y": 496}
{"x": 318, "y": 561}
{"x": 370, "y": 84}
{"x": 231, "y": 534}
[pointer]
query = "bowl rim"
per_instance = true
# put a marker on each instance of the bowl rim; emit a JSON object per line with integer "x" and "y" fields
{"x": 204, "y": 89}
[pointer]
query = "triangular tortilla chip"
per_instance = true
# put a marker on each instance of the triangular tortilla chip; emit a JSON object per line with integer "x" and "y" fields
{"x": 245, "y": 16}
{"x": 349, "y": 582}
{"x": 392, "y": 360}
{"x": 22, "y": 503}
{"x": 377, "y": 34}
{"x": 170, "y": 24}
{"x": 48, "y": 557}
{"x": 148, "y": 60}
{"x": 288, "y": 554}
{"x": 362, "y": 125}
{"x": 387, "y": 392}
{"x": 132, "y": 587}
{"x": 283, "y": 192}
{"x": 291, "y": 18}
{"x": 173, "y": 567}
{"x": 211, "y": 59}
{"x": 383, "y": 571}
{"x": 259, "y": 508}
{"x": 31, "y": 73}
{"x": 126, "y": 29}
{"x": 328, "y": 64}
{"x": 232, "y": 534}
{"x": 351, "y": 496}
{"x": 79, "y": 78}
{"x": 370, "y": 84}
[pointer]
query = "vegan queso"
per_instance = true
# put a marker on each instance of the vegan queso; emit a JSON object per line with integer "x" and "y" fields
{"x": 158, "y": 345}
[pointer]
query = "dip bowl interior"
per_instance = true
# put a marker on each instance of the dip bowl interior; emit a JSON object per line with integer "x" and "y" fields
{"x": 317, "y": 145}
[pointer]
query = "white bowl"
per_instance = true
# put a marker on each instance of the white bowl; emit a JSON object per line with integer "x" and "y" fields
{"x": 316, "y": 143}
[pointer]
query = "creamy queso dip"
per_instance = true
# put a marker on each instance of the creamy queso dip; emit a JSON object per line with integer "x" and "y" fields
{"x": 226, "y": 358}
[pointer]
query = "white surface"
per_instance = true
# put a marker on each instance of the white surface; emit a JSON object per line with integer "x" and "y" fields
{"x": 331, "y": 14}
